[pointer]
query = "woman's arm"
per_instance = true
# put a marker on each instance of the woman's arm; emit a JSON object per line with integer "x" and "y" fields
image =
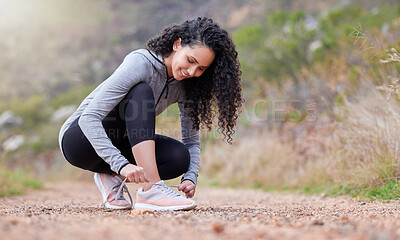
{"x": 134, "y": 69}
{"x": 191, "y": 139}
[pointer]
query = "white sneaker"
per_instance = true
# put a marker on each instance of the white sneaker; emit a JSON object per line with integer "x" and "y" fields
{"x": 162, "y": 198}
{"x": 112, "y": 189}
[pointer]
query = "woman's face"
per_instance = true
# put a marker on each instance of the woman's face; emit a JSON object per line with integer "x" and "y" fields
{"x": 187, "y": 62}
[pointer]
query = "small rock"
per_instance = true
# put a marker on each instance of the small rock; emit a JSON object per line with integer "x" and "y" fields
{"x": 345, "y": 218}
{"x": 217, "y": 227}
{"x": 47, "y": 208}
{"x": 140, "y": 211}
{"x": 13, "y": 221}
{"x": 13, "y": 143}
{"x": 8, "y": 120}
{"x": 63, "y": 113}
{"x": 318, "y": 222}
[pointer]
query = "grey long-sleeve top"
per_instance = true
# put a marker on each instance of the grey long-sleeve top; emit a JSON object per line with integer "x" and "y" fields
{"x": 138, "y": 66}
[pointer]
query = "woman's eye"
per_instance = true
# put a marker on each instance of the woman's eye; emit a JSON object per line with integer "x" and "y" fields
{"x": 190, "y": 60}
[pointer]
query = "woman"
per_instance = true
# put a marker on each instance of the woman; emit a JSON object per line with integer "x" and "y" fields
{"x": 112, "y": 133}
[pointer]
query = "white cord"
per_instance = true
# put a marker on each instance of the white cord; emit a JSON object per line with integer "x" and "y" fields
{"x": 158, "y": 184}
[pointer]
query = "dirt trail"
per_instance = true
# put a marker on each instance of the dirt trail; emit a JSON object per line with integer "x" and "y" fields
{"x": 72, "y": 210}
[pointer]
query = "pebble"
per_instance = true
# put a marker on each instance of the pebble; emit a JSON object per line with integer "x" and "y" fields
{"x": 140, "y": 211}
{"x": 217, "y": 227}
{"x": 52, "y": 215}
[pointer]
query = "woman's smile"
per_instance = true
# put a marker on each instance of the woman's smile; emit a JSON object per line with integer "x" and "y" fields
{"x": 184, "y": 75}
{"x": 186, "y": 62}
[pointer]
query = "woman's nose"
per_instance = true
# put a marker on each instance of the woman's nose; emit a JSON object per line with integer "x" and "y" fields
{"x": 192, "y": 70}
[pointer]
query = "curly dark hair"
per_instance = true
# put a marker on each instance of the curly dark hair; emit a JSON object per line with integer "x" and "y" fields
{"x": 219, "y": 86}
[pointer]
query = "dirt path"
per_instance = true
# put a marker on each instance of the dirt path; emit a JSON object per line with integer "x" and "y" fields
{"x": 73, "y": 211}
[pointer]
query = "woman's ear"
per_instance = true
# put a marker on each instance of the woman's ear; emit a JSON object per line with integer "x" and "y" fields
{"x": 177, "y": 44}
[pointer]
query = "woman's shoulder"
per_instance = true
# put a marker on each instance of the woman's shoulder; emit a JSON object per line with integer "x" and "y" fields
{"x": 145, "y": 56}
{"x": 138, "y": 54}
{"x": 142, "y": 53}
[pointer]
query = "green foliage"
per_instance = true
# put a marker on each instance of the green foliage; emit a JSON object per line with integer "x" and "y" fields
{"x": 14, "y": 182}
{"x": 46, "y": 139}
{"x": 215, "y": 183}
{"x": 277, "y": 49}
{"x": 249, "y": 35}
{"x": 257, "y": 185}
{"x": 390, "y": 191}
{"x": 312, "y": 190}
{"x": 296, "y": 116}
{"x": 73, "y": 96}
{"x": 34, "y": 110}
{"x": 286, "y": 43}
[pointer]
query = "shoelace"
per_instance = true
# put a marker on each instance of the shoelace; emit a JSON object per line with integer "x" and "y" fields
{"x": 122, "y": 188}
{"x": 167, "y": 190}
{"x": 164, "y": 187}
{"x": 159, "y": 184}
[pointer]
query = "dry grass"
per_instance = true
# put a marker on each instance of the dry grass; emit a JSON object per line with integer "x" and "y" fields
{"x": 360, "y": 148}
{"x": 368, "y": 139}
{"x": 358, "y": 145}
{"x": 271, "y": 158}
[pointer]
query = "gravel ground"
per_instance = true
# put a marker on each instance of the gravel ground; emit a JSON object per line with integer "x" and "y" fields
{"x": 73, "y": 210}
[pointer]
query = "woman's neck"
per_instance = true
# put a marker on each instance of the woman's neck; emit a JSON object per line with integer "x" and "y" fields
{"x": 168, "y": 64}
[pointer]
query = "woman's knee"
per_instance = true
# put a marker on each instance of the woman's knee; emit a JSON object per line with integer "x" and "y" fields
{"x": 139, "y": 101}
{"x": 179, "y": 158}
{"x": 141, "y": 91}
{"x": 172, "y": 157}
{"x": 184, "y": 156}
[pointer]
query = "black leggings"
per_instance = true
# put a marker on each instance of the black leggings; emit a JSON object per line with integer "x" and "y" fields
{"x": 129, "y": 123}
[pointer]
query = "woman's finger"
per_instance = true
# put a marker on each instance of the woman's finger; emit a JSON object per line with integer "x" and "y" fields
{"x": 137, "y": 180}
{"x": 189, "y": 188}
{"x": 142, "y": 178}
{"x": 190, "y": 194}
{"x": 131, "y": 178}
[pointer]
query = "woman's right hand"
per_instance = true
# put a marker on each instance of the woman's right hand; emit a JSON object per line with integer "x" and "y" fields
{"x": 134, "y": 173}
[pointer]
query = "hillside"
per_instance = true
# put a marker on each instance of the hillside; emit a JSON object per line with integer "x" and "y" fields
{"x": 49, "y": 47}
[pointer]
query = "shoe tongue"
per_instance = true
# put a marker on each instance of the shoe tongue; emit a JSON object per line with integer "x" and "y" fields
{"x": 158, "y": 184}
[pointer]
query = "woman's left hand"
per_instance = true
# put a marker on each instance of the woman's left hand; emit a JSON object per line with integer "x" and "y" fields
{"x": 188, "y": 188}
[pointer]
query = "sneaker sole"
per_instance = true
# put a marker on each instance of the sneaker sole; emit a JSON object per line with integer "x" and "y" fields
{"x": 97, "y": 180}
{"x": 165, "y": 208}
